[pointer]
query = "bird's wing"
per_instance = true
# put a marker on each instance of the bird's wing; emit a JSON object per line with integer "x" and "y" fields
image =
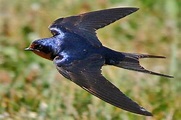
{"x": 86, "y": 24}
{"x": 87, "y": 74}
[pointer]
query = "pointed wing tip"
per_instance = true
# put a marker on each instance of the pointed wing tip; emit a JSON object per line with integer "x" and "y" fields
{"x": 128, "y": 9}
{"x": 148, "y": 113}
{"x": 140, "y": 111}
{"x": 133, "y": 9}
{"x": 145, "y": 112}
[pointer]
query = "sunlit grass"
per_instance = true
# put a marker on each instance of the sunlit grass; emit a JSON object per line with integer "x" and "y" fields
{"x": 31, "y": 88}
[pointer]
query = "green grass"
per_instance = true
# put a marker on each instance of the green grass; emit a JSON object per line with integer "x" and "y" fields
{"x": 32, "y": 89}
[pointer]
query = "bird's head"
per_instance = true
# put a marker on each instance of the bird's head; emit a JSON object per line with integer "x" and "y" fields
{"x": 43, "y": 47}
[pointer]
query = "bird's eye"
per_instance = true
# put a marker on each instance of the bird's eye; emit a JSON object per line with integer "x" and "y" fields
{"x": 40, "y": 47}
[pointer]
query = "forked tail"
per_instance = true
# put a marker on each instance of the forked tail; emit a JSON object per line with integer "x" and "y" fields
{"x": 131, "y": 62}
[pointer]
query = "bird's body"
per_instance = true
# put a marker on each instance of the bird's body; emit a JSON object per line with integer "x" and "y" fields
{"x": 79, "y": 55}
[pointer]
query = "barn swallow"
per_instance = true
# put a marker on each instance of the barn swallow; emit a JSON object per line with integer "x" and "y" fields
{"x": 79, "y": 55}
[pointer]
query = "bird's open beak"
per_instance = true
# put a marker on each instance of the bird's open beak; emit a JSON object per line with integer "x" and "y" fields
{"x": 29, "y": 49}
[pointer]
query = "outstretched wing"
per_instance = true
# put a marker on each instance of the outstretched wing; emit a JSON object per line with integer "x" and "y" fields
{"x": 87, "y": 74}
{"x": 86, "y": 24}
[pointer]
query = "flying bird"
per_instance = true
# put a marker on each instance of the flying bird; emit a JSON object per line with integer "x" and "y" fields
{"x": 79, "y": 55}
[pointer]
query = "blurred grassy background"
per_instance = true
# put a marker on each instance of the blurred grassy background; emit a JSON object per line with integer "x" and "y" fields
{"x": 32, "y": 89}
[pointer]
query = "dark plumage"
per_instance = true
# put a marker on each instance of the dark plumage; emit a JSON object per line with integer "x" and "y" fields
{"x": 78, "y": 55}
